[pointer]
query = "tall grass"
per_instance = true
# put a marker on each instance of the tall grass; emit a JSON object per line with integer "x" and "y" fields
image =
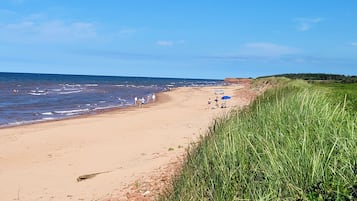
{"x": 343, "y": 91}
{"x": 292, "y": 143}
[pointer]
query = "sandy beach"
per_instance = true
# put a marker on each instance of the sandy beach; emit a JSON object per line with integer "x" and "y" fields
{"x": 110, "y": 150}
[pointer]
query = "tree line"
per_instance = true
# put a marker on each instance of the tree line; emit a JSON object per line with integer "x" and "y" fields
{"x": 318, "y": 77}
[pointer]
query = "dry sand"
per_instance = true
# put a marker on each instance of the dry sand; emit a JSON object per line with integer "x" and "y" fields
{"x": 44, "y": 161}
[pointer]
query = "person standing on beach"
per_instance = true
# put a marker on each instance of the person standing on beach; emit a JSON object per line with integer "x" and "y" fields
{"x": 209, "y": 102}
{"x": 136, "y": 100}
{"x": 153, "y": 97}
{"x": 216, "y": 100}
{"x": 142, "y": 100}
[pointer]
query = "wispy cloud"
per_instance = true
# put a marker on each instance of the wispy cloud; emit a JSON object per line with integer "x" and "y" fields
{"x": 259, "y": 52}
{"x": 266, "y": 49}
{"x": 181, "y": 42}
{"x": 5, "y": 12}
{"x": 169, "y": 43}
{"x": 17, "y": 1}
{"x": 116, "y": 54}
{"x": 47, "y": 31}
{"x": 125, "y": 31}
{"x": 353, "y": 44}
{"x": 305, "y": 24}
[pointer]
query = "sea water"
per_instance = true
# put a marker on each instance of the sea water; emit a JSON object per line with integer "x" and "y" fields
{"x": 28, "y": 98}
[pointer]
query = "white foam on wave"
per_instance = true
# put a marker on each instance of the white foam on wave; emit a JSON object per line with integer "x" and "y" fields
{"x": 48, "y": 118}
{"x": 47, "y": 113}
{"x": 38, "y": 93}
{"x": 27, "y": 122}
{"x": 71, "y": 112}
{"x": 106, "y": 107}
{"x": 21, "y": 123}
{"x": 121, "y": 99}
{"x": 72, "y": 85}
{"x": 70, "y": 92}
{"x": 56, "y": 90}
{"x": 91, "y": 85}
{"x": 137, "y": 86}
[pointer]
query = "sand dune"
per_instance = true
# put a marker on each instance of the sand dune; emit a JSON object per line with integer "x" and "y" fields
{"x": 95, "y": 157}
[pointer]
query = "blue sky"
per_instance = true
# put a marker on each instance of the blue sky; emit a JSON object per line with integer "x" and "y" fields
{"x": 189, "y": 39}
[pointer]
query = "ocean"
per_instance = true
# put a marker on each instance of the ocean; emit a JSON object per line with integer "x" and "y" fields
{"x": 28, "y": 98}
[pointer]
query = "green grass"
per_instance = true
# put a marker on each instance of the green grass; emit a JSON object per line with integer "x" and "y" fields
{"x": 343, "y": 92}
{"x": 293, "y": 143}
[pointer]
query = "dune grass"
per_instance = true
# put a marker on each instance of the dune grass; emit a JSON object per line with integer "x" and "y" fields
{"x": 341, "y": 91}
{"x": 293, "y": 143}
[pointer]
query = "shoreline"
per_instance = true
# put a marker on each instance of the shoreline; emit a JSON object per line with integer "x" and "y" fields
{"x": 26, "y": 102}
{"x": 88, "y": 115}
{"x": 46, "y": 161}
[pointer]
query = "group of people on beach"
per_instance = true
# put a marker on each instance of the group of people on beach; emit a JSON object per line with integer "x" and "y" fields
{"x": 141, "y": 101}
{"x": 216, "y": 101}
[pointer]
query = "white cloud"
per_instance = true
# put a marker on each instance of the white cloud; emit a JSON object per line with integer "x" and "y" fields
{"x": 169, "y": 43}
{"x": 17, "y": 1}
{"x": 25, "y": 25}
{"x": 299, "y": 60}
{"x": 127, "y": 31}
{"x": 354, "y": 44}
{"x": 305, "y": 24}
{"x": 47, "y": 31}
{"x": 61, "y": 29}
{"x": 36, "y": 17}
{"x": 165, "y": 43}
{"x": 265, "y": 49}
{"x": 5, "y": 12}
{"x": 262, "y": 52}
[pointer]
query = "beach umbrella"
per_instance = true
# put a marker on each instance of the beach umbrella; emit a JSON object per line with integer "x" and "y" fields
{"x": 226, "y": 97}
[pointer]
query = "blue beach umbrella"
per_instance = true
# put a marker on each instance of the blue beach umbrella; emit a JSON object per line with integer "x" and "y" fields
{"x": 225, "y": 97}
